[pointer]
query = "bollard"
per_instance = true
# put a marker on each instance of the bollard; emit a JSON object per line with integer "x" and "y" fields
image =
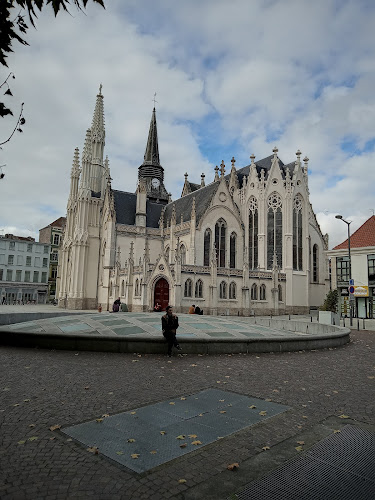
{"x": 289, "y": 317}
{"x": 310, "y": 319}
{"x": 344, "y": 321}
{"x": 358, "y": 324}
{"x": 363, "y": 324}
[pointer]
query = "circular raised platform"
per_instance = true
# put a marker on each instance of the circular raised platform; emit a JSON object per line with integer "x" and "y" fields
{"x": 141, "y": 332}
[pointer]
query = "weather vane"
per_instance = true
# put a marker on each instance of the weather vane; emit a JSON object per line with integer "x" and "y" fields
{"x": 154, "y": 99}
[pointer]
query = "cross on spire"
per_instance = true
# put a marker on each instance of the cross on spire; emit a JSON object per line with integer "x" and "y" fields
{"x": 154, "y": 99}
{"x": 222, "y": 168}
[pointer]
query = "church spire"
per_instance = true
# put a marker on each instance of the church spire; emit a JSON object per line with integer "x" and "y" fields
{"x": 152, "y": 148}
{"x": 97, "y": 126}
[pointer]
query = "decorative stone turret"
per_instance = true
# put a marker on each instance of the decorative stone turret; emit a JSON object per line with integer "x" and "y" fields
{"x": 140, "y": 216}
{"x": 222, "y": 168}
{"x": 216, "y": 178}
{"x": 233, "y": 181}
{"x": 84, "y": 187}
{"x": 202, "y": 180}
{"x": 74, "y": 176}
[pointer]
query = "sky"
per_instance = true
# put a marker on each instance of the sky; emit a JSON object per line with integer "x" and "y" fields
{"x": 231, "y": 79}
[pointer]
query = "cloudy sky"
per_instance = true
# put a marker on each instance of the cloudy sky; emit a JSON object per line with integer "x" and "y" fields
{"x": 232, "y": 79}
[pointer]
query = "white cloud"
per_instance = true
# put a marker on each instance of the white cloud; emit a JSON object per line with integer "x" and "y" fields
{"x": 232, "y": 78}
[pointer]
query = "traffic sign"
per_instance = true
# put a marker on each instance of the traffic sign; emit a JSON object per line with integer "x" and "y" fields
{"x": 351, "y": 282}
{"x": 351, "y": 289}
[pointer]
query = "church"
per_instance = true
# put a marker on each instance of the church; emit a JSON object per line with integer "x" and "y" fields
{"x": 244, "y": 242}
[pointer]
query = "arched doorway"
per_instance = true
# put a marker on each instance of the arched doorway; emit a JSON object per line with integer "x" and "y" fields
{"x": 161, "y": 294}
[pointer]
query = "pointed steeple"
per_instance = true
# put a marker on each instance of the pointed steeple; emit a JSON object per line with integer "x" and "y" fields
{"x": 97, "y": 126}
{"x": 151, "y": 156}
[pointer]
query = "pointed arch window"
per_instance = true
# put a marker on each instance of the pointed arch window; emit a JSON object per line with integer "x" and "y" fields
{"x": 188, "y": 287}
{"x": 199, "y": 289}
{"x": 122, "y": 288}
{"x": 232, "y": 290}
{"x": 136, "y": 288}
{"x": 262, "y": 292}
{"x": 254, "y": 292}
{"x": 220, "y": 236}
{"x": 253, "y": 233}
{"x": 223, "y": 290}
{"x": 297, "y": 233}
{"x": 207, "y": 247}
{"x": 274, "y": 231}
{"x": 280, "y": 290}
{"x": 232, "y": 250}
{"x": 315, "y": 266}
{"x": 166, "y": 252}
{"x": 183, "y": 254}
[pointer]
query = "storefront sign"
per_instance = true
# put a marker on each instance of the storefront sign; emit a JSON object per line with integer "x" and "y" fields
{"x": 360, "y": 291}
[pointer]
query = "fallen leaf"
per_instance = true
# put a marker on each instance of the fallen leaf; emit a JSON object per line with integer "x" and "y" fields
{"x": 193, "y": 364}
{"x": 21, "y": 442}
{"x": 233, "y": 466}
{"x": 135, "y": 455}
{"x": 17, "y": 404}
{"x": 200, "y": 415}
{"x": 268, "y": 399}
{"x": 172, "y": 403}
{"x": 135, "y": 360}
{"x": 192, "y": 436}
{"x": 371, "y": 376}
{"x": 133, "y": 412}
{"x": 183, "y": 445}
{"x": 300, "y": 442}
{"x": 110, "y": 393}
{"x": 222, "y": 411}
{"x": 252, "y": 407}
{"x": 227, "y": 376}
{"x": 218, "y": 381}
{"x": 26, "y": 400}
{"x": 181, "y": 436}
{"x": 183, "y": 399}
{"x": 119, "y": 452}
{"x": 105, "y": 415}
{"x": 69, "y": 439}
{"x": 52, "y": 428}
{"x": 336, "y": 431}
{"x": 99, "y": 420}
{"x": 131, "y": 440}
{"x": 344, "y": 416}
{"x": 221, "y": 400}
{"x": 196, "y": 443}
{"x": 220, "y": 437}
{"x": 153, "y": 452}
{"x": 182, "y": 481}
{"x": 52, "y": 438}
{"x": 163, "y": 433}
{"x": 87, "y": 387}
{"x": 299, "y": 448}
{"x": 262, "y": 413}
{"x": 299, "y": 426}
{"x": 304, "y": 416}
{"x": 33, "y": 438}
{"x": 265, "y": 448}
{"x": 275, "y": 390}
{"x": 335, "y": 392}
{"x": 304, "y": 406}
{"x": 32, "y": 425}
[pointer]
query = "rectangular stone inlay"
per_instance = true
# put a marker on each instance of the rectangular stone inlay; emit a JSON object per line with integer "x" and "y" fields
{"x": 158, "y": 430}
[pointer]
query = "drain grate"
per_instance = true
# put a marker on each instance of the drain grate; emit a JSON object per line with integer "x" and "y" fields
{"x": 340, "y": 467}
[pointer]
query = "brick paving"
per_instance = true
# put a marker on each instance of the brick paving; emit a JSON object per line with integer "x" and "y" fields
{"x": 41, "y": 388}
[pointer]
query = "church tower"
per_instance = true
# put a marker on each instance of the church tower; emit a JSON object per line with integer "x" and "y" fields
{"x": 151, "y": 172}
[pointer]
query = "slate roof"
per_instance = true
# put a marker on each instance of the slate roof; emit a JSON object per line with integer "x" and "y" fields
{"x": 363, "y": 237}
{"x": 265, "y": 164}
{"x": 194, "y": 187}
{"x": 125, "y": 207}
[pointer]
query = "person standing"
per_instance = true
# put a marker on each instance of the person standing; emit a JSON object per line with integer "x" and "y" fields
{"x": 169, "y": 324}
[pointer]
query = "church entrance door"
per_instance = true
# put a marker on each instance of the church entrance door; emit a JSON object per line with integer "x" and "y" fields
{"x": 161, "y": 294}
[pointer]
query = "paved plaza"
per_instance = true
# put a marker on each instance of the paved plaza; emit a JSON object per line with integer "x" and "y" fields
{"x": 319, "y": 392}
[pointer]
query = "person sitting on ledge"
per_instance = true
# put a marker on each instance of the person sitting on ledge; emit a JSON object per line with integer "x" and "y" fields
{"x": 192, "y": 309}
{"x": 198, "y": 310}
{"x": 157, "y": 307}
{"x": 116, "y": 305}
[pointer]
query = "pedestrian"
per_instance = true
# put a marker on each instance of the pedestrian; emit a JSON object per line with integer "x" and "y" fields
{"x": 116, "y": 305}
{"x": 157, "y": 307}
{"x": 169, "y": 324}
{"x": 192, "y": 309}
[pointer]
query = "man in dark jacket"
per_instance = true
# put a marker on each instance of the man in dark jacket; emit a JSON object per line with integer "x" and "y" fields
{"x": 169, "y": 324}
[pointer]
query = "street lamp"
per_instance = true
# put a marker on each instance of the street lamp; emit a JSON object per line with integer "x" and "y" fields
{"x": 350, "y": 267}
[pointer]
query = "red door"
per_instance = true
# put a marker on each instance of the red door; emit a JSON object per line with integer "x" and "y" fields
{"x": 161, "y": 294}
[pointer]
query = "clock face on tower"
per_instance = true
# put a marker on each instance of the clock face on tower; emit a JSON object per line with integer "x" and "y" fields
{"x": 155, "y": 183}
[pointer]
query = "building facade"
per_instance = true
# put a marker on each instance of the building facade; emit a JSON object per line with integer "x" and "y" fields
{"x": 23, "y": 270}
{"x": 247, "y": 242}
{"x": 52, "y": 235}
{"x": 362, "y": 264}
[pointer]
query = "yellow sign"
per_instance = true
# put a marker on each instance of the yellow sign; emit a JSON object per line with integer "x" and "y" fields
{"x": 360, "y": 291}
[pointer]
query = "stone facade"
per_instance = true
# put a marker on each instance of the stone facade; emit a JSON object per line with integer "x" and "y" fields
{"x": 239, "y": 245}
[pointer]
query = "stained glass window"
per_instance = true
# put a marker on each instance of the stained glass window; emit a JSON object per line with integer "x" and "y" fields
{"x": 207, "y": 247}
{"x": 297, "y": 233}
{"x": 274, "y": 230}
{"x": 253, "y": 233}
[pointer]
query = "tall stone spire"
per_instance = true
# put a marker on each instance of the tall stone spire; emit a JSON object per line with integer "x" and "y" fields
{"x": 97, "y": 126}
{"x": 98, "y": 142}
{"x": 152, "y": 148}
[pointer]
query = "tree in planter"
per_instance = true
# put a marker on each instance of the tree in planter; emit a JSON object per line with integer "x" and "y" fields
{"x": 331, "y": 301}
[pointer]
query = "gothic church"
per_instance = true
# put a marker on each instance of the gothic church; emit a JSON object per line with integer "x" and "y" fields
{"x": 246, "y": 243}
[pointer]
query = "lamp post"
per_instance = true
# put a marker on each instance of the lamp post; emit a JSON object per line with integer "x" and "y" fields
{"x": 351, "y": 298}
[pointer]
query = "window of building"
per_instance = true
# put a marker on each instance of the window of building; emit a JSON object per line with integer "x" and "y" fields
{"x": 207, "y": 247}
{"x": 183, "y": 254}
{"x": 232, "y": 251}
{"x": 232, "y": 290}
{"x": 9, "y": 275}
{"x": 29, "y": 247}
{"x": 54, "y": 273}
{"x": 19, "y": 260}
{"x": 167, "y": 254}
{"x": 122, "y": 288}
{"x": 36, "y": 277}
{"x": 27, "y": 276}
{"x": 199, "y": 289}
{"x": 253, "y": 233}
{"x": 280, "y": 293}
{"x": 274, "y": 230}
{"x": 21, "y": 247}
{"x": 44, "y": 277}
{"x": 342, "y": 267}
{"x": 2, "y": 258}
{"x": 315, "y": 266}
{"x": 220, "y": 235}
{"x": 10, "y": 260}
{"x": 254, "y": 292}
{"x": 12, "y": 245}
{"x": 56, "y": 239}
{"x": 37, "y": 262}
{"x": 371, "y": 269}
{"x": 46, "y": 249}
{"x": 28, "y": 261}
{"x": 262, "y": 292}
{"x": 45, "y": 262}
{"x": 136, "y": 288}
{"x": 223, "y": 290}
{"x": 111, "y": 289}
{"x": 297, "y": 233}
{"x": 188, "y": 286}
{"x": 1, "y": 274}
{"x": 19, "y": 275}
{"x": 54, "y": 256}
